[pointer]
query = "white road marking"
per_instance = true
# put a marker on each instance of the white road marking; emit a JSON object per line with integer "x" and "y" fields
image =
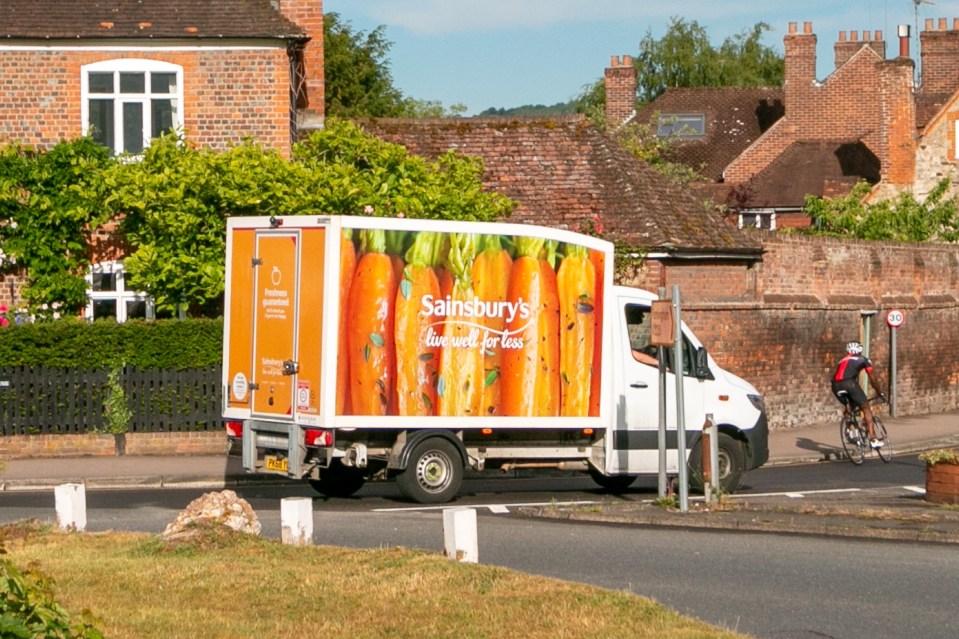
{"x": 493, "y": 508}
{"x": 916, "y": 489}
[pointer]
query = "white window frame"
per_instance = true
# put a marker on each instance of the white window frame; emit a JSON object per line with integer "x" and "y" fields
{"x": 121, "y": 295}
{"x": 756, "y": 218}
{"x": 130, "y": 65}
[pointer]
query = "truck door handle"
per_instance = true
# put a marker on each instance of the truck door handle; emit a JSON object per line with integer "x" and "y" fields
{"x": 639, "y": 385}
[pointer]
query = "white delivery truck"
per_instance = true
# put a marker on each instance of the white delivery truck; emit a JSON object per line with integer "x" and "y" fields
{"x": 361, "y": 348}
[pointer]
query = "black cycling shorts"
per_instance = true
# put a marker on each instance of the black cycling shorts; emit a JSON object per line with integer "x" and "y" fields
{"x": 855, "y": 394}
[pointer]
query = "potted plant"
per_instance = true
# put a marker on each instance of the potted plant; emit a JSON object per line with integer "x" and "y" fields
{"x": 942, "y": 475}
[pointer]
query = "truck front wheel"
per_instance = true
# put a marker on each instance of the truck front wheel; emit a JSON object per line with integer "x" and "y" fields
{"x": 732, "y": 464}
{"x": 434, "y": 472}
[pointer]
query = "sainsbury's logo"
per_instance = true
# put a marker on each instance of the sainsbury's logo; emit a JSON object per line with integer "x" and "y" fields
{"x": 476, "y": 308}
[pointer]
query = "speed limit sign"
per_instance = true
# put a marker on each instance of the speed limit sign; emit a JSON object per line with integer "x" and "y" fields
{"x": 895, "y": 318}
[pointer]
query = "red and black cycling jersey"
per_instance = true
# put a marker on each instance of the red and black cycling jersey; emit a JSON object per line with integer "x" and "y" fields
{"x": 849, "y": 367}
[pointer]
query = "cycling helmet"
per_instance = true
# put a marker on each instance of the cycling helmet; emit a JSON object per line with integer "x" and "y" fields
{"x": 854, "y": 348}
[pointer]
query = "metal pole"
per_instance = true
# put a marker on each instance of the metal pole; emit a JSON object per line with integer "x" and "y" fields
{"x": 663, "y": 479}
{"x": 680, "y": 412}
{"x": 893, "y": 404}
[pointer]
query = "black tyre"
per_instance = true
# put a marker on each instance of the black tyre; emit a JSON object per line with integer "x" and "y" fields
{"x": 854, "y": 447}
{"x": 885, "y": 453}
{"x": 339, "y": 480}
{"x": 434, "y": 472}
{"x": 732, "y": 464}
{"x": 614, "y": 484}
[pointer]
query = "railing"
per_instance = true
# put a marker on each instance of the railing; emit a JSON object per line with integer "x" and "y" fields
{"x": 40, "y": 400}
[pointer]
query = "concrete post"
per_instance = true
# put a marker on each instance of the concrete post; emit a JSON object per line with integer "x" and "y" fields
{"x": 296, "y": 521}
{"x": 71, "y": 505}
{"x": 459, "y": 535}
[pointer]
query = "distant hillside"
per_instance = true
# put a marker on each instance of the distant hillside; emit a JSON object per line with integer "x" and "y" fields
{"x": 560, "y": 108}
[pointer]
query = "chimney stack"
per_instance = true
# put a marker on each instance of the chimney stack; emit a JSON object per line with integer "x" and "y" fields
{"x": 800, "y": 72}
{"x": 308, "y": 15}
{"x": 846, "y": 49}
{"x": 939, "y": 52}
{"x": 620, "y": 79}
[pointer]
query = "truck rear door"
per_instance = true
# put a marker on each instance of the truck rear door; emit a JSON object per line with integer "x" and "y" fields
{"x": 275, "y": 288}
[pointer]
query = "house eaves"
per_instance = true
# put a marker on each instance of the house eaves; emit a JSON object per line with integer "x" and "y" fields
{"x": 80, "y": 21}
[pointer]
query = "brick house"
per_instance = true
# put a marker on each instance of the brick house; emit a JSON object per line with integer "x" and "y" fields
{"x": 868, "y": 120}
{"x": 125, "y": 71}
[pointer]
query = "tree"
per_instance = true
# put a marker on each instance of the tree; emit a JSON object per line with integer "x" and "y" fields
{"x": 903, "y": 219}
{"x": 176, "y": 200}
{"x": 684, "y": 57}
{"x": 358, "y": 78}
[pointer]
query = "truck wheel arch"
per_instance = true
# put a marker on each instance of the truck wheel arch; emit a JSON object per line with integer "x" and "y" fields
{"x": 408, "y": 440}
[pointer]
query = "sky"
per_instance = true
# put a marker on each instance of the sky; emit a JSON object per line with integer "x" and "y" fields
{"x": 510, "y": 53}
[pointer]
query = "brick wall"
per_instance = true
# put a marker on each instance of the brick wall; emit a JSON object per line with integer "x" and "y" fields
{"x": 228, "y": 95}
{"x": 91, "y": 445}
{"x": 939, "y": 48}
{"x": 782, "y": 324}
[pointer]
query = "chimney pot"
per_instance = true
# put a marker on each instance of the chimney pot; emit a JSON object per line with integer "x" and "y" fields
{"x": 903, "y": 31}
{"x": 955, "y": 24}
{"x": 792, "y": 27}
{"x": 942, "y": 24}
{"x": 807, "y": 28}
{"x": 854, "y": 36}
{"x": 928, "y": 25}
{"x": 842, "y": 36}
{"x": 877, "y": 36}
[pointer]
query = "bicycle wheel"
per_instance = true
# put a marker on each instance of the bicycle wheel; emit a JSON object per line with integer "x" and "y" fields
{"x": 852, "y": 445}
{"x": 885, "y": 453}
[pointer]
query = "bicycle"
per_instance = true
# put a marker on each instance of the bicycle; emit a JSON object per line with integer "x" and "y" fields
{"x": 855, "y": 436}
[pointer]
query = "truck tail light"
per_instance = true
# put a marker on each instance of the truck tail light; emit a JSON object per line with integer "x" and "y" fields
{"x": 314, "y": 437}
{"x": 234, "y": 429}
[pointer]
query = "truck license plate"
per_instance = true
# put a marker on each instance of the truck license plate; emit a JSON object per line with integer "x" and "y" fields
{"x": 277, "y": 464}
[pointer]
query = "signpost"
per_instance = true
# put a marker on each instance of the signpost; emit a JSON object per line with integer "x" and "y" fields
{"x": 894, "y": 318}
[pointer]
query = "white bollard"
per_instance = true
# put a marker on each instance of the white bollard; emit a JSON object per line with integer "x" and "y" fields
{"x": 71, "y": 504}
{"x": 459, "y": 535}
{"x": 296, "y": 521}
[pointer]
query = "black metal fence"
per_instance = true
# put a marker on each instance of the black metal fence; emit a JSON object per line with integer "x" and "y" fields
{"x": 39, "y": 400}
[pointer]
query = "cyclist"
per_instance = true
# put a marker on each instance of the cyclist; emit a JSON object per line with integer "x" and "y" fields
{"x": 846, "y": 379}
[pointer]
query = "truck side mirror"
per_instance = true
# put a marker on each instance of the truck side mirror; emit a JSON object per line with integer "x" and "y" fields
{"x": 701, "y": 367}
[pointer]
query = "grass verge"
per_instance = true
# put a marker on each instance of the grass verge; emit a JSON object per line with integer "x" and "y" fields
{"x": 227, "y": 585}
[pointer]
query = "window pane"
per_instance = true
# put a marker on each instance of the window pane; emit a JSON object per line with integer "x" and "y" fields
{"x": 104, "y": 282}
{"x": 101, "y": 83}
{"x": 681, "y": 125}
{"x": 163, "y": 83}
{"x": 132, "y": 83}
{"x": 101, "y": 122}
{"x": 162, "y": 117}
{"x": 133, "y": 127}
{"x": 136, "y": 309}
{"x": 103, "y": 309}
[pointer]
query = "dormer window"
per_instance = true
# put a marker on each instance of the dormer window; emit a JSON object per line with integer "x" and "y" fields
{"x": 127, "y": 103}
{"x": 682, "y": 126}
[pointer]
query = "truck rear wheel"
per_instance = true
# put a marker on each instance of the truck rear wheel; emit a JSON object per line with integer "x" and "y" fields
{"x": 339, "y": 480}
{"x": 732, "y": 464}
{"x": 434, "y": 472}
{"x": 611, "y": 483}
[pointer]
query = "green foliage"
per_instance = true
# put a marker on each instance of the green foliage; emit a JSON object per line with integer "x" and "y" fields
{"x": 532, "y": 110}
{"x": 71, "y": 343}
{"x": 684, "y": 57}
{"x": 115, "y": 408}
{"x": 49, "y": 203}
{"x": 940, "y": 456}
{"x": 642, "y": 141}
{"x": 903, "y": 219}
{"x": 28, "y": 609}
{"x": 352, "y": 172}
{"x": 176, "y": 200}
{"x": 358, "y": 79}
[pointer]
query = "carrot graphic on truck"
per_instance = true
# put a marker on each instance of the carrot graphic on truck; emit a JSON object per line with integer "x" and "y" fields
{"x": 372, "y": 357}
{"x": 490, "y": 282}
{"x": 530, "y": 371}
{"x": 417, "y": 356}
{"x": 460, "y": 384}
{"x": 576, "y": 280}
